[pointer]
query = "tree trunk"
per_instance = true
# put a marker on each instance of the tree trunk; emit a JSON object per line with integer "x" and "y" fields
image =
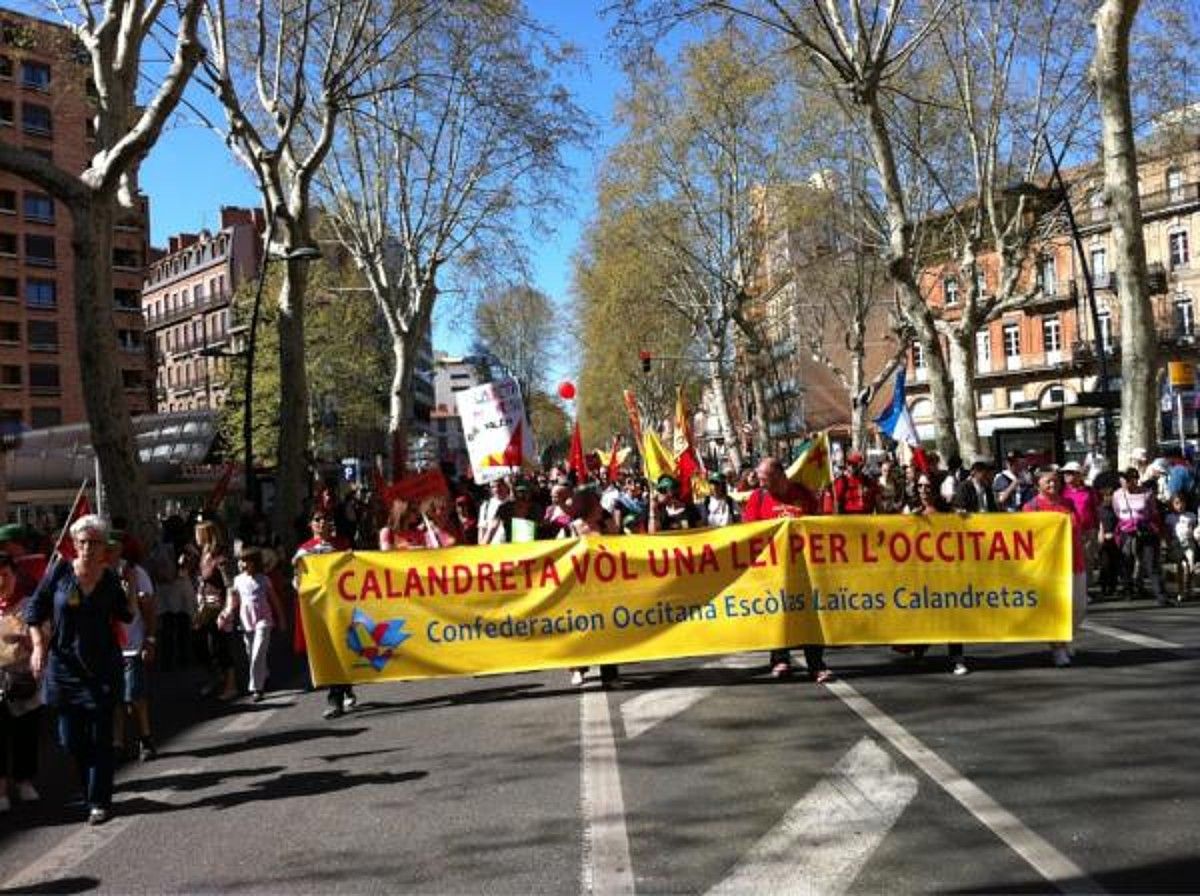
{"x": 125, "y": 483}
{"x": 858, "y": 409}
{"x": 399, "y": 402}
{"x": 292, "y": 474}
{"x": 1110, "y": 73}
{"x": 961, "y": 349}
{"x": 716, "y": 378}
{"x": 762, "y": 433}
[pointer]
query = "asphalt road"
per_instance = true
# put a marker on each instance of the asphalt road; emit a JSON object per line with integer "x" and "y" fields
{"x": 699, "y": 776}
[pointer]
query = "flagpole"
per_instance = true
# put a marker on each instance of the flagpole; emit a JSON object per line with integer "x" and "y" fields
{"x": 52, "y": 562}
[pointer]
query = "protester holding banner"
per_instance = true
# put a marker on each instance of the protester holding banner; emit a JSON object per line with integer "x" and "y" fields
{"x": 340, "y": 696}
{"x": 403, "y": 529}
{"x": 468, "y": 519}
{"x": 78, "y": 657}
{"x": 495, "y": 515}
{"x": 718, "y": 509}
{"x": 778, "y": 497}
{"x": 930, "y": 502}
{"x": 668, "y": 511}
{"x": 440, "y": 525}
{"x": 591, "y": 519}
{"x": 1048, "y": 499}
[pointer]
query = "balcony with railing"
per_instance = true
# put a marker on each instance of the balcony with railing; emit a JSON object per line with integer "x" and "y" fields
{"x": 1058, "y": 297}
{"x": 1152, "y": 204}
{"x": 188, "y": 309}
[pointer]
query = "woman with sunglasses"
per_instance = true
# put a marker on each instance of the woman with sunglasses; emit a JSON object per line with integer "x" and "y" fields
{"x": 79, "y": 659}
{"x": 929, "y": 501}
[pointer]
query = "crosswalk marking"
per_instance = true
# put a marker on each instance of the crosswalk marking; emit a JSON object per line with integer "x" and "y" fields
{"x": 826, "y": 838}
{"x": 607, "y": 866}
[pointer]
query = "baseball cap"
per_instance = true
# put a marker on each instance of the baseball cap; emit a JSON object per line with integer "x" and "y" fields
{"x": 666, "y": 484}
{"x": 1071, "y": 467}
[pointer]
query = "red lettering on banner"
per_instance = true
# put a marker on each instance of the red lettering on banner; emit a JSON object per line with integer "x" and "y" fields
{"x": 582, "y": 566}
{"x": 487, "y": 578}
{"x": 708, "y": 560}
{"x": 438, "y": 580}
{"x": 507, "y": 582}
{"x": 947, "y": 556}
{"x": 976, "y": 544}
{"x": 922, "y": 547}
{"x": 665, "y": 569}
{"x": 684, "y": 561}
{"x": 816, "y": 547}
{"x": 345, "y": 593}
{"x": 1023, "y": 545}
{"x": 837, "y": 548}
{"x": 414, "y": 585}
{"x": 462, "y": 578}
{"x": 628, "y": 573}
{"x": 868, "y": 555}
{"x": 549, "y": 574}
{"x": 796, "y": 546}
{"x": 370, "y": 586}
{"x": 999, "y": 547}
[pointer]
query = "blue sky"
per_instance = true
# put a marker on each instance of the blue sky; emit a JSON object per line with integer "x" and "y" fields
{"x": 190, "y": 174}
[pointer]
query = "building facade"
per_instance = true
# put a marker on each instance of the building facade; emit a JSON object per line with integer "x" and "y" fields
{"x": 452, "y": 375}
{"x": 1036, "y": 362}
{"x": 45, "y": 107}
{"x": 187, "y": 301}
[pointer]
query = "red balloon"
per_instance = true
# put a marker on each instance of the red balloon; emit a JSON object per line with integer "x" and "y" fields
{"x": 566, "y": 390}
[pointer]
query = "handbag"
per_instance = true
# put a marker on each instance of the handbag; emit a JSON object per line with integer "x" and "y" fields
{"x": 17, "y": 685}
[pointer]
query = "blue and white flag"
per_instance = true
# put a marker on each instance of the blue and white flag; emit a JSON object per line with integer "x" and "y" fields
{"x": 896, "y": 422}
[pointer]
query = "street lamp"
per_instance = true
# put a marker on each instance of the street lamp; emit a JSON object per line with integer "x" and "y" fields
{"x": 1059, "y": 192}
{"x": 301, "y": 253}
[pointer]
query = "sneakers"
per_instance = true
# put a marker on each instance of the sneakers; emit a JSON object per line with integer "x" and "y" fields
{"x": 146, "y": 751}
{"x": 960, "y": 668}
{"x": 349, "y": 701}
{"x": 824, "y": 676}
{"x": 98, "y": 816}
{"x": 333, "y": 712}
{"x": 577, "y": 677}
{"x": 1061, "y": 656}
{"x": 256, "y": 697}
{"x": 781, "y": 670}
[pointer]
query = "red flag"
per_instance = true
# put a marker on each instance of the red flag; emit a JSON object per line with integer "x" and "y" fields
{"x": 920, "y": 461}
{"x": 575, "y": 459}
{"x": 65, "y": 547}
{"x": 614, "y": 462}
{"x": 688, "y": 465}
{"x": 218, "y": 493}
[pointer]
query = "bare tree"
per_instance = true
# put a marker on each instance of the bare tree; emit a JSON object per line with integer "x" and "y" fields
{"x": 438, "y": 176}
{"x": 1110, "y": 74}
{"x": 520, "y": 327}
{"x": 285, "y": 78}
{"x": 126, "y": 127}
{"x": 902, "y": 77}
{"x": 703, "y": 156}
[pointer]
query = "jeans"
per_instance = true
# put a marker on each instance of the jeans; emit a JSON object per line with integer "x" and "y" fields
{"x": 87, "y": 733}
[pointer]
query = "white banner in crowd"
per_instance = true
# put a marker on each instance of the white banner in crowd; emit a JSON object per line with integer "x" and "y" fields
{"x": 498, "y": 436}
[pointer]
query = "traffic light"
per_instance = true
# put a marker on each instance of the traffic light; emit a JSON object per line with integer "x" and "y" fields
{"x": 646, "y": 358}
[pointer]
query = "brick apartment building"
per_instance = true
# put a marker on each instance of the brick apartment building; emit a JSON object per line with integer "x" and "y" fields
{"x": 1032, "y": 364}
{"x": 187, "y": 301}
{"x": 44, "y": 107}
{"x": 1040, "y": 358}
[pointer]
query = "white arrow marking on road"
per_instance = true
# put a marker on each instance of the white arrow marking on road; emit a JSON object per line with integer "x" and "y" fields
{"x": 641, "y": 713}
{"x": 1028, "y": 844}
{"x": 824, "y": 840}
{"x": 607, "y": 866}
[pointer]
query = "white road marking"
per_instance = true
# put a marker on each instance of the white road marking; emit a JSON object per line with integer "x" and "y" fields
{"x": 641, "y": 713}
{"x": 74, "y": 850}
{"x": 607, "y": 866}
{"x": 248, "y": 721}
{"x": 824, "y": 840}
{"x": 1140, "y": 640}
{"x": 1051, "y": 864}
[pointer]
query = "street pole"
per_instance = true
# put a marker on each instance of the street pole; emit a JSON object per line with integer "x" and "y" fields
{"x": 251, "y": 480}
{"x": 1110, "y": 447}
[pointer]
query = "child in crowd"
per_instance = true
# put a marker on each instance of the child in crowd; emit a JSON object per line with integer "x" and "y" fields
{"x": 1181, "y": 526}
{"x": 260, "y": 611}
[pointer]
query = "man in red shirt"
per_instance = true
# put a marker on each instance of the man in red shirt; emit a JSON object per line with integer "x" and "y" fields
{"x": 854, "y": 491}
{"x": 779, "y": 498}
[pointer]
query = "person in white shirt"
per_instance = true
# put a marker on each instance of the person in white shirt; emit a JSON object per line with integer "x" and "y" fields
{"x": 1181, "y": 530}
{"x": 137, "y": 647}
{"x": 259, "y": 612}
{"x": 495, "y": 515}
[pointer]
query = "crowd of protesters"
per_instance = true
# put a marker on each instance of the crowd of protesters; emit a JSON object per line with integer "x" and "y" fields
{"x": 97, "y": 628}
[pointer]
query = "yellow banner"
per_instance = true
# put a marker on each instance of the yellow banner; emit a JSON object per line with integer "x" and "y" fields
{"x": 375, "y": 616}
